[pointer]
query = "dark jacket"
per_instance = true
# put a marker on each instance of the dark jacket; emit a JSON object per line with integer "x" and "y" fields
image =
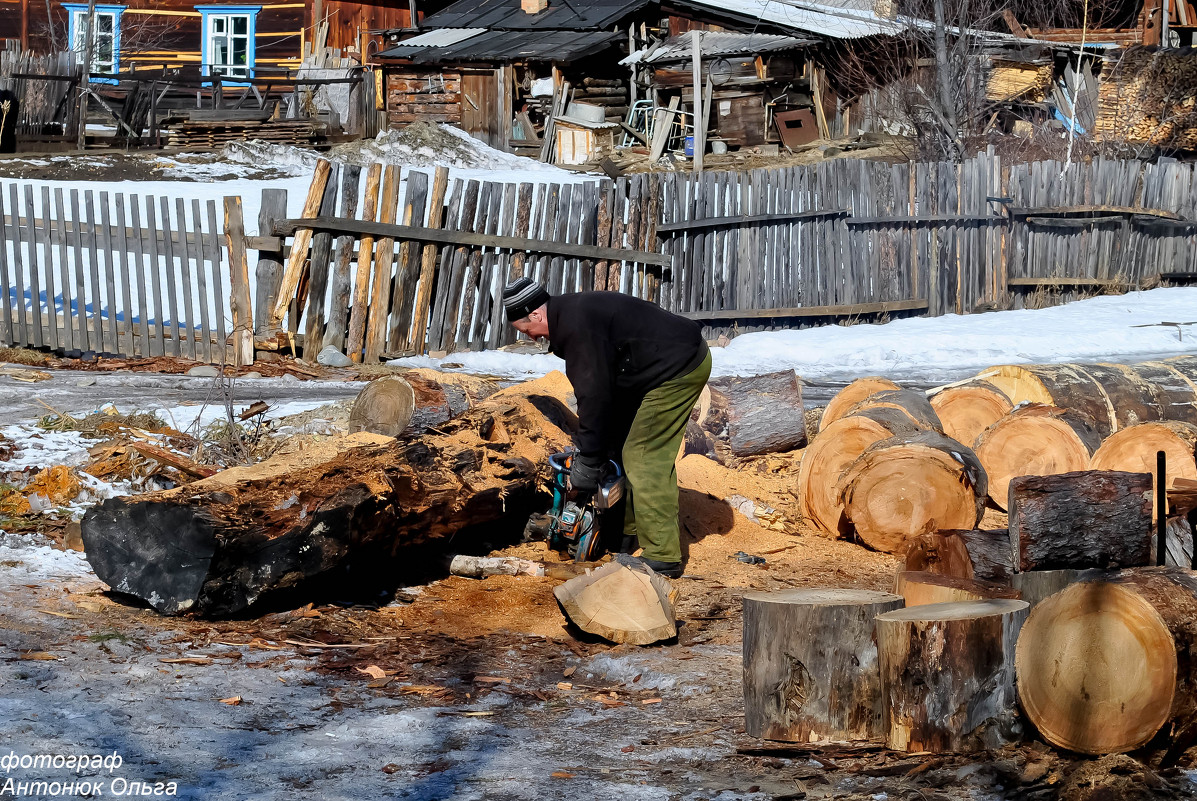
{"x": 616, "y": 348}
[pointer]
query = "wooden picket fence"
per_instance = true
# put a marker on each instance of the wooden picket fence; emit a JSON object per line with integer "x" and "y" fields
{"x": 385, "y": 262}
{"x": 112, "y": 273}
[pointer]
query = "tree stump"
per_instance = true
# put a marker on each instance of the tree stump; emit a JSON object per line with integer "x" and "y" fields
{"x": 810, "y": 664}
{"x": 968, "y": 409}
{"x": 947, "y": 675}
{"x": 1034, "y": 440}
{"x": 904, "y": 487}
{"x": 920, "y": 589}
{"x": 1106, "y": 663}
{"x": 1087, "y": 519}
{"x": 1035, "y": 585}
{"x": 831, "y": 453}
{"x": 765, "y": 412}
{"x": 975, "y": 554}
{"x": 910, "y": 402}
{"x": 853, "y": 394}
{"x": 623, "y": 601}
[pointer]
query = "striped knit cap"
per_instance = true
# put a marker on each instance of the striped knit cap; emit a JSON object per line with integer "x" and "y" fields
{"x": 522, "y": 297}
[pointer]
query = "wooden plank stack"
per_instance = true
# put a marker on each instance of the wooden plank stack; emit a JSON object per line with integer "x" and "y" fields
{"x": 217, "y": 133}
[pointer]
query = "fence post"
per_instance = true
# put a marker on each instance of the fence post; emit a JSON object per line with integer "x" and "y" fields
{"x": 243, "y": 321}
{"x": 269, "y": 270}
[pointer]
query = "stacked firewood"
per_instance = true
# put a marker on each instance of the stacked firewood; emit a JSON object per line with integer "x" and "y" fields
{"x": 1145, "y": 97}
{"x": 611, "y": 93}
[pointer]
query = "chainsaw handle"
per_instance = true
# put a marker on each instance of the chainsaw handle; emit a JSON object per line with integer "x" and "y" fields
{"x": 560, "y": 463}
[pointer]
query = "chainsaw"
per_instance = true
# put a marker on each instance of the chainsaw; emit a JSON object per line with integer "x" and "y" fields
{"x": 572, "y": 524}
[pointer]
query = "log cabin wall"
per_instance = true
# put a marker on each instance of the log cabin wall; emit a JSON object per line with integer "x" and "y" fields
{"x": 423, "y": 93}
{"x": 350, "y": 24}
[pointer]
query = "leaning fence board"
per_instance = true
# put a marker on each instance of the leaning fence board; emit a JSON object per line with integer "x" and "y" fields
{"x": 438, "y": 299}
{"x": 408, "y": 270}
{"x": 243, "y": 323}
{"x": 503, "y": 266}
{"x": 320, "y": 268}
{"x": 196, "y": 254}
{"x": 365, "y": 260}
{"x": 340, "y": 290}
{"x": 436, "y": 214}
{"x": 299, "y": 248}
{"x": 470, "y": 220}
{"x": 384, "y": 257}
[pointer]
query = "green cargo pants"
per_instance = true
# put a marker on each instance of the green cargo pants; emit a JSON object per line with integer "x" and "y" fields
{"x": 649, "y": 454}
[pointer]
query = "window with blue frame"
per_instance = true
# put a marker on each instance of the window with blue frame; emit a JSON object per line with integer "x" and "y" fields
{"x": 228, "y": 43}
{"x": 105, "y": 37}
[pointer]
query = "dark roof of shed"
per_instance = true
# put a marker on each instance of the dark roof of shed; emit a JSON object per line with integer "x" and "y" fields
{"x": 509, "y": 46}
{"x": 574, "y": 15}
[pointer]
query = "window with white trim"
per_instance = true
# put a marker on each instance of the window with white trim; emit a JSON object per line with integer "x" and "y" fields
{"x": 228, "y": 45}
{"x": 105, "y": 36}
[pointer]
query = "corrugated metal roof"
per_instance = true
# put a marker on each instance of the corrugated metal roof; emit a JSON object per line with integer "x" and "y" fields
{"x": 836, "y": 23}
{"x": 442, "y": 37}
{"x": 716, "y": 44}
{"x": 510, "y": 46}
{"x": 573, "y": 15}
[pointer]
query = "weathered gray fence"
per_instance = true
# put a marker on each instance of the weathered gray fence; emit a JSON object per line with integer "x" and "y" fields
{"x": 112, "y": 273}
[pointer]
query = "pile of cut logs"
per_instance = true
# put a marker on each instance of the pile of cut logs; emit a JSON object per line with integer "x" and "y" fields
{"x": 1060, "y": 616}
{"x": 611, "y": 93}
{"x": 889, "y": 465}
{"x": 1065, "y": 604}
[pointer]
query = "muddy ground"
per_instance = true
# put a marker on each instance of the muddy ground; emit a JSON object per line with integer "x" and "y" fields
{"x": 445, "y": 687}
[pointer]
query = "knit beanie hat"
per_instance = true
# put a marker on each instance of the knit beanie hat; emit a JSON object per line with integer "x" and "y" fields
{"x": 522, "y": 297}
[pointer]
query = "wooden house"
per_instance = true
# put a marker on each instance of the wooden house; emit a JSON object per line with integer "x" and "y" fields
{"x": 238, "y": 38}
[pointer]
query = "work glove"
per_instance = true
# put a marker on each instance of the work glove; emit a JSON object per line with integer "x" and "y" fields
{"x": 584, "y": 474}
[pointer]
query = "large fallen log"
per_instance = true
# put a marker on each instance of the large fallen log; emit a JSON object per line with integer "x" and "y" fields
{"x": 947, "y": 675}
{"x": 764, "y": 413}
{"x": 851, "y": 395}
{"x": 831, "y": 453}
{"x": 1034, "y": 440}
{"x": 1175, "y": 393}
{"x": 965, "y": 410}
{"x": 904, "y": 487}
{"x": 810, "y": 664}
{"x": 1112, "y": 396}
{"x": 1106, "y": 663}
{"x": 1087, "y": 519}
{"x": 969, "y": 554}
{"x": 216, "y": 546}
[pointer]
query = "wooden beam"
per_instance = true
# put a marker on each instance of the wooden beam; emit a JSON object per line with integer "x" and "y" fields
{"x": 881, "y": 307}
{"x": 1066, "y": 282}
{"x": 1076, "y": 211}
{"x": 467, "y": 239}
{"x": 747, "y": 219}
{"x": 925, "y": 218}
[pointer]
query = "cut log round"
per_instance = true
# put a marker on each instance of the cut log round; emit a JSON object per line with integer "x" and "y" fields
{"x": 765, "y": 413}
{"x": 980, "y": 555}
{"x": 623, "y": 601}
{"x": 384, "y": 407}
{"x": 1134, "y": 449}
{"x": 216, "y": 546}
{"x": 1081, "y": 520}
{"x": 853, "y": 394}
{"x": 1036, "y": 585}
{"x": 968, "y": 409}
{"x": 810, "y": 664}
{"x": 904, "y": 487}
{"x": 441, "y": 396}
{"x": 910, "y": 402}
{"x": 919, "y": 588}
{"x": 1034, "y": 440}
{"x": 947, "y": 675}
{"x": 1106, "y": 662}
{"x": 831, "y": 453}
